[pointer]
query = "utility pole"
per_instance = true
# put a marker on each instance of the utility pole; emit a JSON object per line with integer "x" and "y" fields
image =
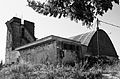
{"x": 98, "y": 52}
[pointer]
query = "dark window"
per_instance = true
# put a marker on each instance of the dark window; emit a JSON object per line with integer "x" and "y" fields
{"x": 22, "y": 32}
{"x": 77, "y": 48}
{"x": 61, "y": 54}
{"x": 66, "y": 46}
{"x": 72, "y": 47}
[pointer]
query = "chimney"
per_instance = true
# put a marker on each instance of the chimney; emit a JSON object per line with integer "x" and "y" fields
{"x": 15, "y": 19}
{"x": 13, "y": 36}
{"x": 29, "y": 26}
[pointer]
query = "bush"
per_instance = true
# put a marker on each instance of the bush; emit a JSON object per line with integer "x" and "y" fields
{"x": 41, "y": 71}
{"x": 49, "y": 71}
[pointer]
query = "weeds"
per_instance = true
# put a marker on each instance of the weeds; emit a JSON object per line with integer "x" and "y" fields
{"x": 86, "y": 70}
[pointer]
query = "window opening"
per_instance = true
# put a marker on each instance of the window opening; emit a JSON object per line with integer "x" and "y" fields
{"x": 22, "y": 32}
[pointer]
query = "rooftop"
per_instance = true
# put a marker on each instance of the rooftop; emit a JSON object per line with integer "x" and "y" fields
{"x": 84, "y": 38}
{"x": 48, "y": 38}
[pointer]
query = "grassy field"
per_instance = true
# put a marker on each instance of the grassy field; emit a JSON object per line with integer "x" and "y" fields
{"x": 90, "y": 69}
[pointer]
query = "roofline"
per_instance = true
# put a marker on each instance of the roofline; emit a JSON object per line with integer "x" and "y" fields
{"x": 83, "y": 42}
{"x": 34, "y": 43}
{"x": 51, "y": 37}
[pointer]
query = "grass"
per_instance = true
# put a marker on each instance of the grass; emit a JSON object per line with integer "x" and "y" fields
{"x": 86, "y": 70}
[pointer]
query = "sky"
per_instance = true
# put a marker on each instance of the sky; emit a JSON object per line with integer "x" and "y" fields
{"x": 45, "y": 25}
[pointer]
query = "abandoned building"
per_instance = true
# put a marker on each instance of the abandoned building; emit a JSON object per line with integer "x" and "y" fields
{"x": 96, "y": 43}
{"x": 22, "y": 45}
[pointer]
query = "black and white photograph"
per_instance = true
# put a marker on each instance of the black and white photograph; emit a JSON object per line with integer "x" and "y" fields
{"x": 60, "y": 39}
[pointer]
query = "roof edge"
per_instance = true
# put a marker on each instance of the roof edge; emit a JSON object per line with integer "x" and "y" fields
{"x": 51, "y": 37}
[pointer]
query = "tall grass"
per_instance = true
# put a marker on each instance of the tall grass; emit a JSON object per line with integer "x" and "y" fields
{"x": 82, "y": 70}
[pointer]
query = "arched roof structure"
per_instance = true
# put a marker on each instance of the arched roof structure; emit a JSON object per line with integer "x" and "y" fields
{"x": 96, "y": 45}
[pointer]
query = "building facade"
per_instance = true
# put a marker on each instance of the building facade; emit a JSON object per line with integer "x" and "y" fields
{"x": 21, "y": 45}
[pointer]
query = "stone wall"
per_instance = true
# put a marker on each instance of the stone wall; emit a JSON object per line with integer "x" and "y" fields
{"x": 51, "y": 51}
{"x": 12, "y": 57}
{"x": 40, "y": 54}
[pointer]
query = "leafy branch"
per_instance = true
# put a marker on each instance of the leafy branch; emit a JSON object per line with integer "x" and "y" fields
{"x": 77, "y": 10}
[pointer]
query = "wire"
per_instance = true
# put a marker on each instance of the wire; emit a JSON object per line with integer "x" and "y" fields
{"x": 109, "y": 23}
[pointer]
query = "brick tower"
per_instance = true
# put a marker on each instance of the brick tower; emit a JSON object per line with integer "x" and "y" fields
{"x": 17, "y": 35}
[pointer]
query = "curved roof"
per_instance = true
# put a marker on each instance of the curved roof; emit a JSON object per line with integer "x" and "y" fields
{"x": 84, "y": 38}
{"x": 89, "y": 39}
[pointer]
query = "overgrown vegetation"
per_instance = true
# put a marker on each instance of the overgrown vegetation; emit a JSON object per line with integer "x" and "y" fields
{"x": 87, "y": 70}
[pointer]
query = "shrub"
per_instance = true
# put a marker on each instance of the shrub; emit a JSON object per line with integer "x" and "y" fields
{"x": 82, "y": 70}
{"x": 28, "y": 71}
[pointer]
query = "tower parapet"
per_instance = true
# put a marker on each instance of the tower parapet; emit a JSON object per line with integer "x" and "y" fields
{"x": 17, "y": 35}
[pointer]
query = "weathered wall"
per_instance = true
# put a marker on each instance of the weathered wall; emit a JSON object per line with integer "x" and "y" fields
{"x": 52, "y": 51}
{"x": 17, "y": 35}
{"x": 68, "y": 53}
{"x": 29, "y": 26}
{"x": 69, "y": 56}
{"x": 40, "y": 54}
{"x": 13, "y": 56}
{"x": 27, "y": 36}
{"x": 13, "y": 35}
{"x": 84, "y": 50}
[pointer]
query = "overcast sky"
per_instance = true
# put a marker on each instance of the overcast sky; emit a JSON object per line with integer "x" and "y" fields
{"x": 45, "y": 25}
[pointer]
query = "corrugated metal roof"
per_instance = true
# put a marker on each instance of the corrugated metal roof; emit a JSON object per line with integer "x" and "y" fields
{"x": 84, "y": 38}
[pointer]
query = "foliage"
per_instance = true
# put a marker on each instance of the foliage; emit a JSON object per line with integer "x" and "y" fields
{"x": 1, "y": 65}
{"x": 91, "y": 68}
{"x": 84, "y": 10}
{"x": 41, "y": 71}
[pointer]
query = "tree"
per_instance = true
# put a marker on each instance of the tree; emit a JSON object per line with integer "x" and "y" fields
{"x": 77, "y": 10}
{"x": 1, "y": 64}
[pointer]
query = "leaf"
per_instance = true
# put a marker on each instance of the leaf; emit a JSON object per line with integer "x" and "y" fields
{"x": 116, "y": 1}
{"x": 79, "y": 10}
{"x": 40, "y": 11}
{"x": 55, "y": 14}
{"x": 51, "y": 14}
{"x": 45, "y": 13}
{"x": 60, "y": 15}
